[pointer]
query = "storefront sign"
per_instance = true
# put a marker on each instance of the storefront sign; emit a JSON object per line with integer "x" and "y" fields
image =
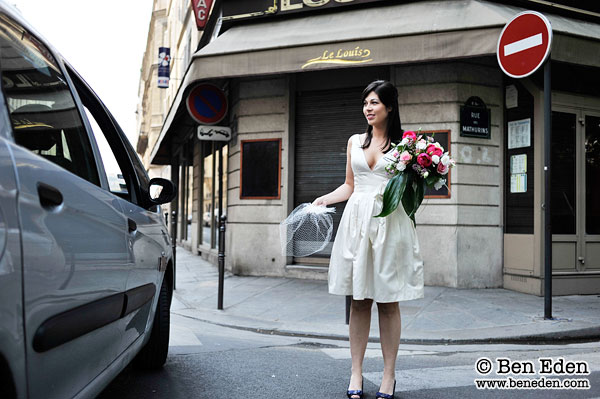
{"x": 475, "y": 119}
{"x": 164, "y": 62}
{"x": 244, "y": 9}
{"x": 207, "y": 104}
{"x": 214, "y": 133}
{"x": 201, "y": 10}
{"x": 356, "y": 55}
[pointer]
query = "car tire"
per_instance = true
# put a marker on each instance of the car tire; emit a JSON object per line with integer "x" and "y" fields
{"x": 154, "y": 354}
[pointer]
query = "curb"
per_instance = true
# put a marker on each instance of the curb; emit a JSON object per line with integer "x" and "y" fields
{"x": 589, "y": 334}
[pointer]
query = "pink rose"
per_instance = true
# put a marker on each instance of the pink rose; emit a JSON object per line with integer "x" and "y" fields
{"x": 442, "y": 169}
{"x": 405, "y": 157}
{"x": 409, "y": 134}
{"x": 395, "y": 154}
{"x": 433, "y": 150}
{"x": 424, "y": 160}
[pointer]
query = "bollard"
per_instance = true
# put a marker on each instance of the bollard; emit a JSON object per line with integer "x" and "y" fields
{"x": 174, "y": 242}
{"x": 222, "y": 221}
{"x": 348, "y": 303}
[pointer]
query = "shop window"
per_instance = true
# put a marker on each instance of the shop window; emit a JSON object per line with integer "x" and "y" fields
{"x": 261, "y": 169}
{"x": 212, "y": 206}
{"x": 442, "y": 137}
{"x": 187, "y": 194}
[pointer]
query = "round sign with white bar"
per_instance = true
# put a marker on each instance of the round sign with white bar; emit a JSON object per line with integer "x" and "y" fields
{"x": 524, "y": 44}
{"x": 214, "y": 133}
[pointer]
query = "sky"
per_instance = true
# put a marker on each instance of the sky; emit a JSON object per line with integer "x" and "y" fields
{"x": 104, "y": 41}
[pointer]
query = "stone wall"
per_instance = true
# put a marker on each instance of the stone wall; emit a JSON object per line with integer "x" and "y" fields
{"x": 259, "y": 111}
{"x": 460, "y": 237}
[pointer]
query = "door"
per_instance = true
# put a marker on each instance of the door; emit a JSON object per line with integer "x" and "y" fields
{"x": 325, "y": 120}
{"x": 575, "y": 193}
{"x": 148, "y": 242}
{"x": 73, "y": 232}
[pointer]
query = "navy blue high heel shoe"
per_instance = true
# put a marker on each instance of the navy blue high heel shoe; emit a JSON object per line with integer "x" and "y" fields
{"x": 356, "y": 392}
{"x": 386, "y": 395}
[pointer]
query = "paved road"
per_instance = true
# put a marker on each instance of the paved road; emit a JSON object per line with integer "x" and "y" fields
{"x": 208, "y": 361}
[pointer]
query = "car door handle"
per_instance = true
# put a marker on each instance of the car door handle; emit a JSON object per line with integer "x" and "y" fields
{"x": 50, "y": 197}
{"x": 132, "y": 225}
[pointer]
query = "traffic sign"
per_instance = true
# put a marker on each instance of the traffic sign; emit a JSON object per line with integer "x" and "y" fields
{"x": 524, "y": 44}
{"x": 207, "y": 104}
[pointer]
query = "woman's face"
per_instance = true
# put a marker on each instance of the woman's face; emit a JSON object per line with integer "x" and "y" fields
{"x": 375, "y": 111}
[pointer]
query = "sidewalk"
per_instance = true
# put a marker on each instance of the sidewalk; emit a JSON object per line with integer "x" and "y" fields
{"x": 288, "y": 306}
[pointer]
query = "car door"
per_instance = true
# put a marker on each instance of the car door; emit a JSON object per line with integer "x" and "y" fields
{"x": 150, "y": 242}
{"x": 74, "y": 234}
{"x": 12, "y": 340}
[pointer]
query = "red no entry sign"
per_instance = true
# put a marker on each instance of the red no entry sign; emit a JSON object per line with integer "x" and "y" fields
{"x": 524, "y": 44}
{"x": 207, "y": 104}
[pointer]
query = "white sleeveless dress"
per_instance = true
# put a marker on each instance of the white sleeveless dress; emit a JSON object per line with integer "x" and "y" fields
{"x": 375, "y": 258}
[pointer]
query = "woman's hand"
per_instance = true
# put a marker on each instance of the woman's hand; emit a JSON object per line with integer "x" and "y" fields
{"x": 320, "y": 201}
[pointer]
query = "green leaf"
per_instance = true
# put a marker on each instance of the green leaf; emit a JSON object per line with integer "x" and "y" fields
{"x": 392, "y": 194}
{"x": 431, "y": 179}
{"x": 409, "y": 198}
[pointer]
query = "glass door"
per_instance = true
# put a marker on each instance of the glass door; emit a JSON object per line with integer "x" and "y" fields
{"x": 575, "y": 196}
{"x": 590, "y": 251}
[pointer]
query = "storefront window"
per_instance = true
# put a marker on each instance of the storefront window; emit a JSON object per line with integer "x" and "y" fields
{"x": 210, "y": 192}
{"x": 207, "y": 196}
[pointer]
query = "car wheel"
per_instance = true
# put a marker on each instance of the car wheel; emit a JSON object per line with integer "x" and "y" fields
{"x": 154, "y": 354}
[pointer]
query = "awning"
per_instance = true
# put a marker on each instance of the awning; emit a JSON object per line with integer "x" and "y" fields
{"x": 392, "y": 34}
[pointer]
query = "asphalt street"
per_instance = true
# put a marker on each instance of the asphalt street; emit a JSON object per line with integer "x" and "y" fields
{"x": 206, "y": 360}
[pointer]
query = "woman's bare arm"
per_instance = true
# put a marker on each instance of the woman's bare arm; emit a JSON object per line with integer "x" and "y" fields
{"x": 343, "y": 192}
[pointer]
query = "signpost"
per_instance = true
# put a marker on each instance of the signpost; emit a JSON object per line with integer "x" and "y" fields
{"x": 524, "y": 45}
{"x": 207, "y": 105}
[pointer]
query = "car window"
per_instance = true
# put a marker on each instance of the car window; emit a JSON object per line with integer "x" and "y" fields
{"x": 116, "y": 181}
{"x": 42, "y": 109}
{"x": 111, "y": 142}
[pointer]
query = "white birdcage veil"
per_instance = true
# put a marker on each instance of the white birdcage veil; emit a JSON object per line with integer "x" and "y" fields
{"x": 307, "y": 230}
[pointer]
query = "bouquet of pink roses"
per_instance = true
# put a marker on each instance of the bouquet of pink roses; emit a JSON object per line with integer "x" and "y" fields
{"x": 415, "y": 163}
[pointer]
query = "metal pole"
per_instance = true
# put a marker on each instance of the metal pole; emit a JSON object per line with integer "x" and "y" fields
{"x": 547, "y": 192}
{"x": 222, "y": 220}
{"x": 174, "y": 245}
{"x": 348, "y": 304}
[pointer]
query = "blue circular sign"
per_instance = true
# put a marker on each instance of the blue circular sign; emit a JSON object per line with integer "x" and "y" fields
{"x": 207, "y": 104}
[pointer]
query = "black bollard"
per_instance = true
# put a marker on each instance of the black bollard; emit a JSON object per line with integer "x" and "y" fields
{"x": 222, "y": 221}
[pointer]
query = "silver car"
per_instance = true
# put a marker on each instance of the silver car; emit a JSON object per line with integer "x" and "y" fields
{"x": 86, "y": 272}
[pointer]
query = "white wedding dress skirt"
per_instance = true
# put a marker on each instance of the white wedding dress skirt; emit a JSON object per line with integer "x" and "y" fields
{"x": 375, "y": 258}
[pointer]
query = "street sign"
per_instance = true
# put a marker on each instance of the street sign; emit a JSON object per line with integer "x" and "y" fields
{"x": 206, "y": 104}
{"x": 214, "y": 133}
{"x": 524, "y": 44}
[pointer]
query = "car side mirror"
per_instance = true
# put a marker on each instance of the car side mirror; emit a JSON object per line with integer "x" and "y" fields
{"x": 161, "y": 191}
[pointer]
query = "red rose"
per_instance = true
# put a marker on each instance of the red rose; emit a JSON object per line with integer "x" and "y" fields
{"x": 433, "y": 150}
{"x": 424, "y": 160}
{"x": 409, "y": 134}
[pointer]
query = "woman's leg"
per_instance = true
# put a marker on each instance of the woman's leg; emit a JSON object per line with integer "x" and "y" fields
{"x": 360, "y": 324}
{"x": 389, "y": 333}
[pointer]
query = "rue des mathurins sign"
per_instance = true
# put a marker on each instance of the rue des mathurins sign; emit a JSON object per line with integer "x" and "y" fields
{"x": 244, "y": 9}
{"x": 475, "y": 119}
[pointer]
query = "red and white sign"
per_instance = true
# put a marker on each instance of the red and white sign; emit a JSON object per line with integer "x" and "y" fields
{"x": 201, "y": 10}
{"x": 207, "y": 104}
{"x": 524, "y": 44}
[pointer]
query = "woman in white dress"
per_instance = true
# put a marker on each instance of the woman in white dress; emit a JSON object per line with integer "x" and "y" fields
{"x": 373, "y": 259}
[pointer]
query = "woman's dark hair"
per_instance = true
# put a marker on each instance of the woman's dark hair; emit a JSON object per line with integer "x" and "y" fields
{"x": 388, "y": 94}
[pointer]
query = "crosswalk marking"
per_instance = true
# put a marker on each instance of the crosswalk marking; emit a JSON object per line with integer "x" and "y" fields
{"x": 182, "y": 336}
{"x": 452, "y": 376}
{"x": 344, "y": 353}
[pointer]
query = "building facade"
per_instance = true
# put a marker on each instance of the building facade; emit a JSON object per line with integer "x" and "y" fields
{"x": 293, "y": 72}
